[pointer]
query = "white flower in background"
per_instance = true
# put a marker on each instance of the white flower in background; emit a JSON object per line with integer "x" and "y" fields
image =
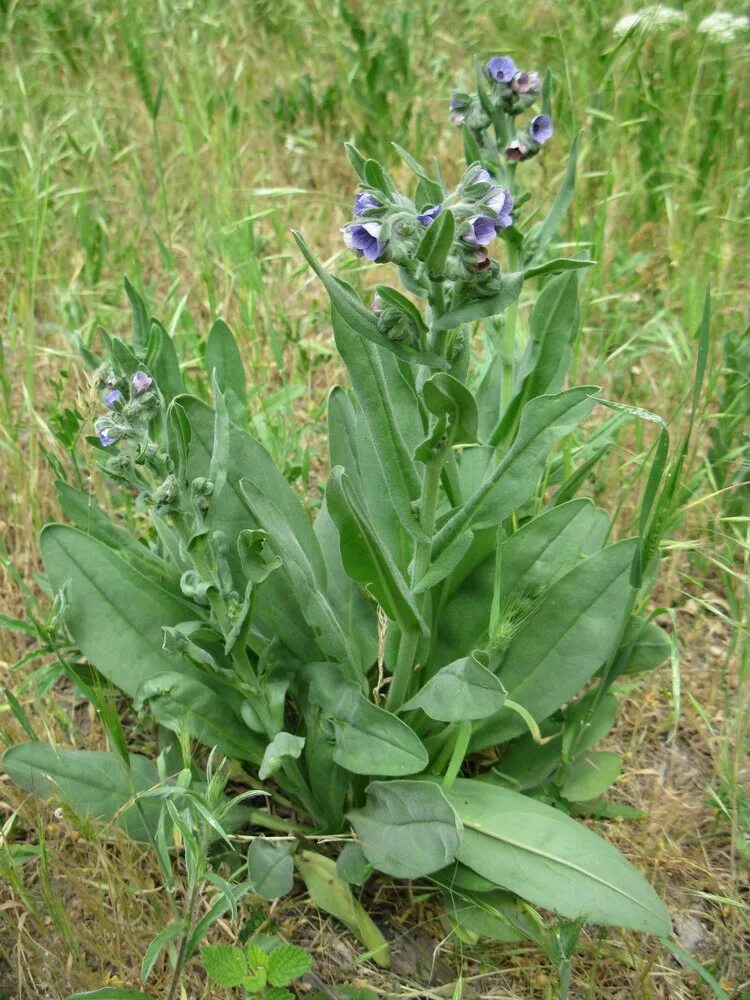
{"x": 649, "y": 18}
{"x": 724, "y": 27}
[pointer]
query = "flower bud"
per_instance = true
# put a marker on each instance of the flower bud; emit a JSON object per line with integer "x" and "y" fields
{"x": 428, "y": 216}
{"x": 112, "y": 398}
{"x": 167, "y": 495}
{"x": 365, "y": 202}
{"x": 140, "y": 382}
{"x": 107, "y": 431}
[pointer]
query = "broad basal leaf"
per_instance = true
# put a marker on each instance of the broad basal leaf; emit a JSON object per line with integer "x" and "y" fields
{"x": 115, "y": 614}
{"x": 407, "y": 828}
{"x": 94, "y": 782}
{"x": 463, "y": 690}
{"x": 547, "y": 858}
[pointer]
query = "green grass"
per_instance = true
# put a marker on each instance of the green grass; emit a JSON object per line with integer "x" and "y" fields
{"x": 178, "y": 142}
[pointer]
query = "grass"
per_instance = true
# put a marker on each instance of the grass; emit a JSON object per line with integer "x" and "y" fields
{"x": 178, "y": 142}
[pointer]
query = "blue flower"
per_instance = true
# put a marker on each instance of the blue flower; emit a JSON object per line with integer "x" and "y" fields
{"x": 429, "y": 215}
{"x": 104, "y": 430}
{"x": 364, "y": 201}
{"x": 112, "y": 397}
{"x": 364, "y": 239}
{"x": 541, "y": 129}
{"x": 502, "y": 69}
{"x": 482, "y": 230}
{"x": 140, "y": 382}
{"x": 502, "y": 202}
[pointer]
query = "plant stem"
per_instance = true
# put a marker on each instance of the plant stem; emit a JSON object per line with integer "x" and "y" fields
{"x": 193, "y": 900}
{"x": 409, "y": 640}
{"x": 461, "y": 745}
{"x": 509, "y": 336}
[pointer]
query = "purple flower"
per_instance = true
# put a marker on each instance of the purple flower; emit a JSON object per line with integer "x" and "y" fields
{"x": 140, "y": 382}
{"x": 526, "y": 83}
{"x": 482, "y": 176}
{"x": 363, "y": 239}
{"x": 429, "y": 215}
{"x": 541, "y": 128}
{"x": 502, "y": 202}
{"x": 516, "y": 151}
{"x": 502, "y": 69}
{"x": 364, "y": 201}
{"x": 104, "y": 430}
{"x": 112, "y": 397}
{"x": 481, "y": 231}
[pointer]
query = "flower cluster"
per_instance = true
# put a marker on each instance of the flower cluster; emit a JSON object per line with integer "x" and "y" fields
{"x": 722, "y": 26}
{"x": 510, "y": 91}
{"x": 389, "y": 227}
{"x": 653, "y": 17}
{"x": 130, "y": 405}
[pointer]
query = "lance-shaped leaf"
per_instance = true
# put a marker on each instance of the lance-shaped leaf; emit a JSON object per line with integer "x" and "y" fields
{"x": 391, "y": 412}
{"x": 430, "y": 189}
{"x": 364, "y": 559}
{"x": 93, "y": 782}
{"x": 437, "y": 242}
{"x": 369, "y": 740}
{"x": 141, "y": 327}
{"x": 514, "y": 479}
{"x": 309, "y": 585}
{"x": 332, "y": 895}
{"x": 392, "y": 297}
{"x": 162, "y": 361}
{"x": 114, "y": 613}
{"x": 463, "y": 690}
{"x": 559, "y": 264}
{"x": 180, "y": 703}
{"x": 547, "y": 858}
{"x": 573, "y": 631}
{"x": 407, "y": 828}
{"x": 543, "y": 235}
{"x": 469, "y": 312}
{"x": 276, "y": 609}
{"x": 111, "y": 993}
{"x": 644, "y": 646}
{"x": 223, "y": 357}
{"x": 553, "y": 325}
{"x": 349, "y": 307}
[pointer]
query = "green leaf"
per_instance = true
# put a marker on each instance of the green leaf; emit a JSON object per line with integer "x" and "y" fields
{"x": 391, "y": 412}
{"x": 468, "y": 312}
{"x": 349, "y": 308}
{"x": 114, "y": 613}
{"x": 546, "y": 231}
{"x": 446, "y": 397}
{"x": 283, "y": 745}
{"x": 547, "y": 858}
{"x": 270, "y": 868}
{"x": 527, "y": 763}
{"x": 553, "y": 325}
{"x": 407, "y": 828}
{"x": 585, "y": 725}
{"x": 141, "y": 320}
{"x": 437, "y": 242}
{"x": 392, "y": 297}
{"x": 369, "y": 739}
{"x": 331, "y": 894}
{"x": 482, "y": 914}
{"x": 170, "y": 932}
{"x": 286, "y": 963}
{"x": 590, "y": 775}
{"x": 433, "y": 192}
{"x": 544, "y": 667}
{"x": 644, "y": 646}
{"x": 364, "y": 558}
{"x": 163, "y": 363}
{"x": 307, "y": 575}
{"x": 557, "y": 265}
{"x": 514, "y": 479}
{"x": 463, "y": 690}
{"x": 352, "y": 865}
{"x": 223, "y": 357}
{"x": 224, "y": 964}
{"x": 93, "y": 782}
{"x": 187, "y": 703}
{"x": 445, "y": 563}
